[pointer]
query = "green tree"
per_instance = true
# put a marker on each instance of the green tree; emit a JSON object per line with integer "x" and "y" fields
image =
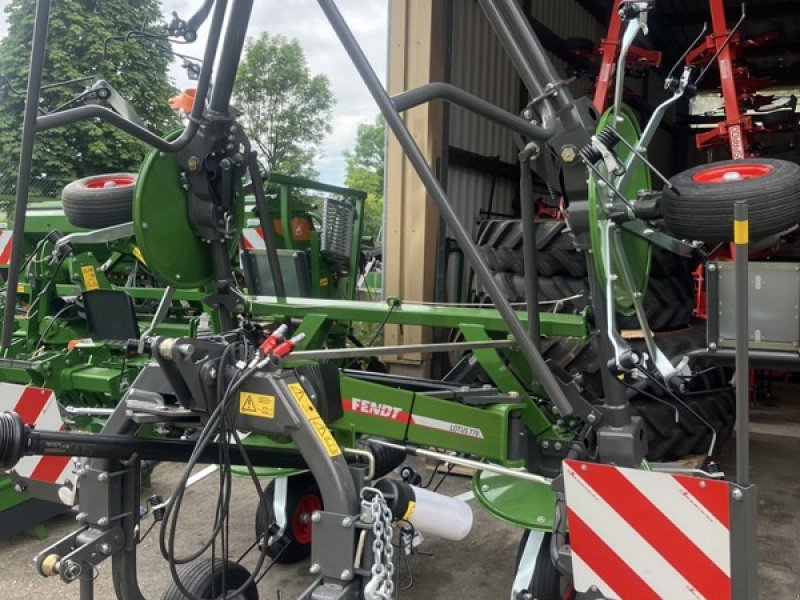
{"x": 365, "y": 167}
{"x": 136, "y": 69}
{"x": 285, "y": 110}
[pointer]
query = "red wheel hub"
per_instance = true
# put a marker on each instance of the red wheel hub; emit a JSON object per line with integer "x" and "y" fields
{"x": 301, "y": 520}
{"x": 109, "y": 181}
{"x": 728, "y": 173}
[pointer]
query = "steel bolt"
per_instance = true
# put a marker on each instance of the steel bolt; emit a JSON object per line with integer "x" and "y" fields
{"x": 81, "y": 516}
{"x": 72, "y": 570}
{"x": 346, "y": 575}
{"x": 347, "y": 522}
{"x": 702, "y": 484}
{"x": 316, "y": 517}
{"x": 314, "y": 569}
{"x": 584, "y": 468}
{"x": 102, "y": 521}
{"x": 557, "y": 446}
{"x": 736, "y": 494}
{"x": 591, "y": 418}
{"x": 712, "y": 346}
{"x": 19, "y": 488}
{"x": 484, "y": 488}
{"x": 712, "y": 267}
{"x": 102, "y": 476}
{"x": 545, "y": 444}
{"x": 145, "y": 226}
{"x": 105, "y": 548}
{"x": 569, "y": 153}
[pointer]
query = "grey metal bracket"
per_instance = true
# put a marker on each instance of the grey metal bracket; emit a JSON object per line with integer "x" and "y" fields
{"x": 80, "y": 550}
{"x": 97, "y": 236}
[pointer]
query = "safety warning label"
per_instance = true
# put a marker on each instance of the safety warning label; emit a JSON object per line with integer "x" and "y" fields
{"x": 310, "y": 411}
{"x": 89, "y": 275}
{"x": 257, "y": 405}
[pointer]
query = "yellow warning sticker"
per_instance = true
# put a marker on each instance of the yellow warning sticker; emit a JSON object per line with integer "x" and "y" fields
{"x": 257, "y": 405}
{"x": 138, "y": 255}
{"x": 21, "y": 288}
{"x": 323, "y": 282}
{"x": 89, "y": 275}
{"x": 310, "y": 411}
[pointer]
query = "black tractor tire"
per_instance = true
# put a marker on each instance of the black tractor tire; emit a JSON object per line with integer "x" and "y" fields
{"x": 700, "y": 204}
{"x": 668, "y": 302}
{"x": 547, "y": 583}
{"x": 203, "y": 579}
{"x": 99, "y": 201}
{"x": 302, "y": 491}
{"x": 500, "y": 243}
{"x": 704, "y": 411}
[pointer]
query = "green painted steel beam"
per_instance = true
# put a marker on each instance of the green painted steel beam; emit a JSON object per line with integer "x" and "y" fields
{"x": 426, "y": 315}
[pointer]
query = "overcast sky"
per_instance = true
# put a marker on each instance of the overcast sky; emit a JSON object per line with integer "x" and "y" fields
{"x": 303, "y": 19}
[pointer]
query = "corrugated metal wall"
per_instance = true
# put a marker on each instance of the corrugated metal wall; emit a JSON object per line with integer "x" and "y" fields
{"x": 479, "y": 65}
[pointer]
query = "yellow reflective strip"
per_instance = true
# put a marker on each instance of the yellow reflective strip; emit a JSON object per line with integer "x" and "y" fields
{"x": 741, "y": 232}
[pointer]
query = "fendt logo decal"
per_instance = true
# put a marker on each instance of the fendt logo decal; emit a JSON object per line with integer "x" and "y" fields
{"x": 395, "y": 413}
{"x": 375, "y": 409}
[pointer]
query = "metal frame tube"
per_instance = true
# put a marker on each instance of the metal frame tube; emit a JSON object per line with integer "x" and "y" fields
{"x": 520, "y": 60}
{"x": 742, "y": 345}
{"x": 529, "y": 244}
{"x": 534, "y": 52}
{"x": 540, "y": 369}
{"x": 38, "y": 52}
{"x": 235, "y": 33}
{"x": 445, "y": 91}
{"x": 262, "y": 207}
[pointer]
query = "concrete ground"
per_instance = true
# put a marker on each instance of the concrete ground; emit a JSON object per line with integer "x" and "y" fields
{"x": 480, "y": 567}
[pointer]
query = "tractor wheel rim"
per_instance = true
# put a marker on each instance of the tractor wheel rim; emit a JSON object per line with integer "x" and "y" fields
{"x": 301, "y": 520}
{"x": 109, "y": 181}
{"x": 729, "y": 173}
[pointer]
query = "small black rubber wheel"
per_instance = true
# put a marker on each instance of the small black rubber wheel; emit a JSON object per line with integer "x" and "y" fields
{"x": 203, "y": 579}
{"x": 547, "y": 582}
{"x": 302, "y": 499}
{"x": 700, "y": 204}
{"x": 99, "y": 201}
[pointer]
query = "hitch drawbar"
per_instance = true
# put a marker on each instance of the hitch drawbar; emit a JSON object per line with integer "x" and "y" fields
{"x": 18, "y": 440}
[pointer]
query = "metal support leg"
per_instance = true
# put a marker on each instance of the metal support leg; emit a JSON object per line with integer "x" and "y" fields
{"x": 740, "y": 237}
{"x": 262, "y": 206}
{"x": 415, "y": 156}
{"x": 87, "y": 584}
{"x": 529, "y": 243}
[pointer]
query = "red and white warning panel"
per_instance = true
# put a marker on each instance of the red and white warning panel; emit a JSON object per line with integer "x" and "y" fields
{"x": 5, "y": 246}
{"x": 637, "y": 535}
{"x": 39, "y": 407}
{"x": 253, "y": 238}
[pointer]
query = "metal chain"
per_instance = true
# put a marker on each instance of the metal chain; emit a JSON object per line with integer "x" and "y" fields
{"x": 375, "y": 511}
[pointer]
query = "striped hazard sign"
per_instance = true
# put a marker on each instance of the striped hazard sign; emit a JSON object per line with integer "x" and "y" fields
{"x": 253, "y": 238}
{"x": 5, "y": 246}
{"x": 37, "y": 406}
{"x": 640, "y": 535}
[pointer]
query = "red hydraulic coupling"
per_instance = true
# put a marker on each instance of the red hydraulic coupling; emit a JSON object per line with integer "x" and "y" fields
{"x": 287, "y": 346}
{"x": 275, "y": 338}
